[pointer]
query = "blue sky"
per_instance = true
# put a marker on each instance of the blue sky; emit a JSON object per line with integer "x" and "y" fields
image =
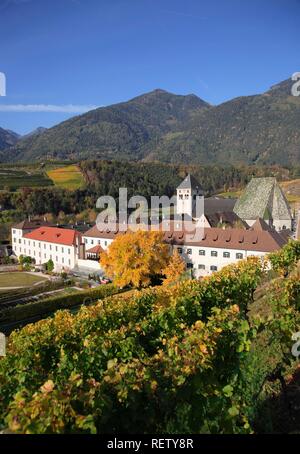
{"x": 64, "y": 56}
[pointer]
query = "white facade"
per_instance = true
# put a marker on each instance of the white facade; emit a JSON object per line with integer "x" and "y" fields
{"x": 63, "y": 256}
{"x": 92, "y": 241}
{"x": 16, "y": 237}
{"x": 187, "y": 193}
{"x": 277, "y": 224}
{"x": 204, "y": 261}
{"x": 201, "y": 259}
{"x": 185, "y": 201}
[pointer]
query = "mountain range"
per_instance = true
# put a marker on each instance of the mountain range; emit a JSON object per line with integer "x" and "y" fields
{"x": 7, "y": 138}
{"x": 161, "y": 126}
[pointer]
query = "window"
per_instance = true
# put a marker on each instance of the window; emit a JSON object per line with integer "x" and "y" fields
{"x": 99, "y": 242}
{"x": 179, "y": 250}
{"x": 189, "y": 265}
{"x": 19, "y": 241}
{"x": 56, "y": 259}
{"x": 213, "y": 268}
{"x": 44, "y": 246}
{"x": 63, "y": 260}
{"x": 85, "y": 240}
{"x": 226, "y": 255}
{"x": 62, "y": 249}
{"x": 214, "y": 253}
{"x": 180, "y": 197}
{"x": 39, "y": 244}
{"x": 56, "y": 248}
{"x": 15, "y": 239}
{"x": 34, "y": 243}
{"x": 189, "y": 251}
{"x": 44, "y": 256}
{"x": 69, "y": 252}
{"x": 202, "y": 252}
{"x": 14, "y": 231}
{"x": 105, "y": 243}
{"x": 92, "y": 241}
{"x": 239, "y": 255}
{"x": 50, "y": 247}
{"x": 201, "y": 267}
{"x": 69, "y": 262}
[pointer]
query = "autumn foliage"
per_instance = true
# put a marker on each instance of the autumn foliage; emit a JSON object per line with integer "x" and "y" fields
{"x": 135, "y": 258}
{"x": 175, "y": 269}
{"x": 170, "y": 359}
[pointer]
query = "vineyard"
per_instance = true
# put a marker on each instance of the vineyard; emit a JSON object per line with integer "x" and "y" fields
{"x": 210, "y": 356}
{"x": 14, "y": 179}
{"x": 67, "y": 177}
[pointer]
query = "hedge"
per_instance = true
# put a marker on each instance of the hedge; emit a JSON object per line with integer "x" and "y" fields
{"x": 49, "y": 305}
{"x": 14, "y": 295}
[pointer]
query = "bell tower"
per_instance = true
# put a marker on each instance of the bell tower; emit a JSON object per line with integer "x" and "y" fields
{"x": 187, "y": 192}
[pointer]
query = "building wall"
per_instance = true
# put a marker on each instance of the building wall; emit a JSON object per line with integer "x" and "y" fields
{"x": 278, "y": 224}
{"x": 64, "y": 257}
{"x": 91, "y": 242}
{"x": 203, "y": 222}
{"x": 213, "y": 259}
{"x": 184, "y": 201}
{"x": 282, "y": 224}
{"x": 90, "y": 265}
{"x": 192, "y": 256}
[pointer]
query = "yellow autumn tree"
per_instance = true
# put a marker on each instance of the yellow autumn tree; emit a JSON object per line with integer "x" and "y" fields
{"x": 135, "y": 258}
{"x": 174, "y": 270}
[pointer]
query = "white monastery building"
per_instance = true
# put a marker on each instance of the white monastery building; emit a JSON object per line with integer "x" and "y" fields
{"x": 229, "y": 232}
{"x": 49, "y": 243}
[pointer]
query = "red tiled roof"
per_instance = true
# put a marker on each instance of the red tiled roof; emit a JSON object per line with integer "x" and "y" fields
{"x": 260, "y": 225}
{"x": 54, "y": 235}
{"x": 95, "y": 250}
{"x": 260, "y": 238}
{"x": 94, "y": 232}
{"x": 247, "y": 240}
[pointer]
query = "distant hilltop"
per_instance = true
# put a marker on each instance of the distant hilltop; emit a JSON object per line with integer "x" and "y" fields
{"x": 164, "y": 127}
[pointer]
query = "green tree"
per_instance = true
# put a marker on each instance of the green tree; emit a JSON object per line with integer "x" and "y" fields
{"x": 50, "y": 266}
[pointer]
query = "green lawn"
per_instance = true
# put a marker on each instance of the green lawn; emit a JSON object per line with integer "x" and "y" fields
{"x": 20, "y": 279}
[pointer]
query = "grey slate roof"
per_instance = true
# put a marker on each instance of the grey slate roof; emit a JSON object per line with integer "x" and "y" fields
{"x": 263, "y": 198}
{"x": 189, "y": 183}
